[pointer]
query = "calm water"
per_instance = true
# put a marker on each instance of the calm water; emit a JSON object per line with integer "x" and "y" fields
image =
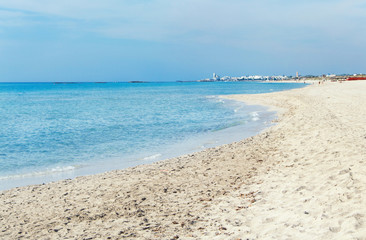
{"x": 52, "y": 131}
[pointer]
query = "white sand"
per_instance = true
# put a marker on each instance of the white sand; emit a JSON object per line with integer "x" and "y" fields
{"x": 304, "y": 178}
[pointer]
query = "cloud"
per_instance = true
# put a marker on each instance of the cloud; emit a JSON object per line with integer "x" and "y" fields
{"x": 202, "y": 21}
{"x": 269, "y": 28}
{"x": 12, "y": 18}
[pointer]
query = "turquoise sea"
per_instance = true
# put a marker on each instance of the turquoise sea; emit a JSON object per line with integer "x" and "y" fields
{"x": 53, "y": 131}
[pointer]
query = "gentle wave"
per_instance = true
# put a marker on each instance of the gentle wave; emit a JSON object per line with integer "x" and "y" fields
{"x": 255, "y": 116}
{"x": 238, "y": 109}
{"x": 41, "y": 173}
{"x": 216, "y": 99}
{"x": 152, "y": 157}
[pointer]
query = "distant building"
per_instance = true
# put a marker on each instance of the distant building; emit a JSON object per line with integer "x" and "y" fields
{"x": 227, "y": 78}
{"x": 215, "y": 76}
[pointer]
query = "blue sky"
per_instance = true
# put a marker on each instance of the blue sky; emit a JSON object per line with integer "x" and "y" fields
{"x": 165, "y": 40}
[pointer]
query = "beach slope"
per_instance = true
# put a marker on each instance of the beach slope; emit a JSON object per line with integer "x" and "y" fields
{"x": 303, "y": 178}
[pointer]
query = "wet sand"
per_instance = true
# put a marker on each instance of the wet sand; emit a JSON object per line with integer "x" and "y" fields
{"x": 303, "y": 178}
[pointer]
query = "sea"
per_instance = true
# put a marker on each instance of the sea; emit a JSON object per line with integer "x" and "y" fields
{"x": 53, "y": 131}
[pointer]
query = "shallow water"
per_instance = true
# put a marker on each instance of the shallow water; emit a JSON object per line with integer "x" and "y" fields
{"x": 53, "y": 131}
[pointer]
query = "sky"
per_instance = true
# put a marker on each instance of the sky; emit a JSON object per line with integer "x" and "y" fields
{"x": 167, "y": 40}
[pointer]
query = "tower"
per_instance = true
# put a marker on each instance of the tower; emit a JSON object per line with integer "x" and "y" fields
{"x": 215, "y": 76}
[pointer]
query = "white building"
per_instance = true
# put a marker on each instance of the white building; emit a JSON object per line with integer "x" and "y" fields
{"x": 215, "y": 76}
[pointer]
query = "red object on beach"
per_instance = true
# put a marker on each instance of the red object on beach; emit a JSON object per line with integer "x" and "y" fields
{"x": 355, "y": 78}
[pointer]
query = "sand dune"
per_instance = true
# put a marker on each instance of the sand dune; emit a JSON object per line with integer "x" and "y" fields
{"x": 304, "y": 178}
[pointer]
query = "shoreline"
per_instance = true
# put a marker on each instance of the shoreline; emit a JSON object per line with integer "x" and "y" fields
{"x": 302, "y": 178}
{"x": 48, "y": 149}
{"x": 190, "y": 145}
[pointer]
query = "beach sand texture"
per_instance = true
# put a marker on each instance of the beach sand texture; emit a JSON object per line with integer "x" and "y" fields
{"x": 304, "y": 178}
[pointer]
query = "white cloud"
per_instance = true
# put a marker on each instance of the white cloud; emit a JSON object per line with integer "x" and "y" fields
{"x": 222, "y": 22}
{"x": 11, "y": 18}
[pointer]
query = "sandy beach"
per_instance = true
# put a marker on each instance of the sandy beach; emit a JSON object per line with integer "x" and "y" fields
{"x": 303, "y": 178}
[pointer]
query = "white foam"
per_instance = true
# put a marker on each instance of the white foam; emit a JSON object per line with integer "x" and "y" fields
{"x": 152, "y": 157}
{"x": 238, "y": 109}
{"x": 255, "y": 116}
{"x": 210, "y": 97}
{"x": 40, "y": 173}
{"x": 216, "y": 99}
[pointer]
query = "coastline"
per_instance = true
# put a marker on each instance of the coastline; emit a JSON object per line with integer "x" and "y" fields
{"x": 91, "y": 140}
{"x": 253, "y": 125}
{"x": 304, "y": 177}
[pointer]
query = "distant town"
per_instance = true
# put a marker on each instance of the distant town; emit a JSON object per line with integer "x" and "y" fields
{"x": 297, "y": 77}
